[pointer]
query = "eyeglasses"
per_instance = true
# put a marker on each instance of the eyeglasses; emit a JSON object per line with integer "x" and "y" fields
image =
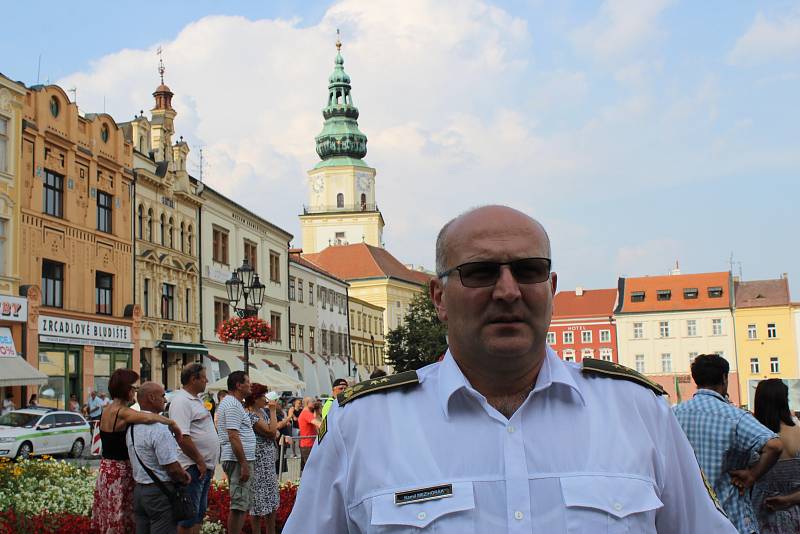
{"x": 486, "y": 273}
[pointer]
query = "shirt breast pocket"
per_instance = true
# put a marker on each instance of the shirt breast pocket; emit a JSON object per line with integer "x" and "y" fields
{"x": 455, "y": 513}
{"x": 597, "y": 504}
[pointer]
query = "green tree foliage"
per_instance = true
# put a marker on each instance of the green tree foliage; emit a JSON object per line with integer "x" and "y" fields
{"x": 420, "y": 340}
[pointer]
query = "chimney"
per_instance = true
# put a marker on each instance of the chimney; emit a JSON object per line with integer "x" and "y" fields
{"x": 784, "y": 275}
{"x": 579, "y": 291}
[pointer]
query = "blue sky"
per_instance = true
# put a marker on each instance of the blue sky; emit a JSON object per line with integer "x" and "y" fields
{"x": 639, "y": 132}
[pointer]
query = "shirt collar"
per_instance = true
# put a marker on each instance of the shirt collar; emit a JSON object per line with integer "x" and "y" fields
{"x": 711, "y": 394}
{"x": 553, "y": 371}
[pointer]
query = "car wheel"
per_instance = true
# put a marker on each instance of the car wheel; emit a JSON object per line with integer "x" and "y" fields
{"x": 25, "y": 450}
{"x": 77, "y": 449}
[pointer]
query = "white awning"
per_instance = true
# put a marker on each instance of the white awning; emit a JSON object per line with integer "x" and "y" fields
{"x": 14, "y": 371}
{"x": 269, "y": 377}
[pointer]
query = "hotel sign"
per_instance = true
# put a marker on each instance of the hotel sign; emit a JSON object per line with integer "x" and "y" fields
{"x": 77, "y": 332}
{"x": 13, "y": 309}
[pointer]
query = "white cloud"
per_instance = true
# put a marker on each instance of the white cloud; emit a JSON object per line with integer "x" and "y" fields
{"x": 651, "y": 257}
{"x": 769, "y": 39}
{"x": 620, "y": 28}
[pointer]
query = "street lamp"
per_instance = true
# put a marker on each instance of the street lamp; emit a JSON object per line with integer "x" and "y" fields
{"x": 244, "y": 285}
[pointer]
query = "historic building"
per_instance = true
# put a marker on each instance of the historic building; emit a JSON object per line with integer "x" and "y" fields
{"x": 765, "y": 336}
{"x": 14, "y": 370}
{"x": 230, "y": 234}
{"x": 341, "y": 196}
{"x": 663, "y": 322}
{"x": 366, "y": 335}
{"x": 167, "y": 278}
{"x": 583, "y": 325}
{"x": 76, "y": 245}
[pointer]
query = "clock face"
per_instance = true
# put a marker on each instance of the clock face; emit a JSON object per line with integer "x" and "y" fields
{"x": 318, "y": 184}
{"x": 363, "y": 182}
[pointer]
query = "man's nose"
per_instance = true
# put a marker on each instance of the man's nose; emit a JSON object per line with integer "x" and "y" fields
{"x": 506, "y": 287}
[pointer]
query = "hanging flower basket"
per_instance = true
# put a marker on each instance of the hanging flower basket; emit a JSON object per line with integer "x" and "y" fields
{"x": 238, "y": 328}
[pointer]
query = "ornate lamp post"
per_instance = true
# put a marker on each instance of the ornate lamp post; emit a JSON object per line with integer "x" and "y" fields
{"x": 245, "y": 286}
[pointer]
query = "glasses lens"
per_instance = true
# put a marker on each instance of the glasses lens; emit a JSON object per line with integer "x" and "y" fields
{"x": 531, "y": 270}
{"x": 479, "y": 273}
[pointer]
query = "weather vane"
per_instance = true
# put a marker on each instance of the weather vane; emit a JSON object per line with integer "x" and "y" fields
{"x": 338, "y": 41}
{"x": 161, "y": 68}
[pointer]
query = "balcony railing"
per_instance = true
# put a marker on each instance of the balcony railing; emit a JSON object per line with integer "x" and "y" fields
{"x": 367, "y": 207}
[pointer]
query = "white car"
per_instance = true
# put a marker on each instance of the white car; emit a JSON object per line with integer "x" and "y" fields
{"x": 43, "y": 431}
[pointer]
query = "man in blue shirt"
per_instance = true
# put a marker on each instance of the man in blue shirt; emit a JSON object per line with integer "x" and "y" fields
{"x": 725, "y": 438}
{"x": 94, "y": 407}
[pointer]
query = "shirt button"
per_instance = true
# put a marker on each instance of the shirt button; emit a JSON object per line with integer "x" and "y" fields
{"x": 510, "y": 429}
{"x": 617, "y": 506}
{"x": 421, "y": 516}
{"x": 518, "y": 515}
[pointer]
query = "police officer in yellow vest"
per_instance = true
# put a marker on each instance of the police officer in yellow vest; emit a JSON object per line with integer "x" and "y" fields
{"x": 339, "y": 385}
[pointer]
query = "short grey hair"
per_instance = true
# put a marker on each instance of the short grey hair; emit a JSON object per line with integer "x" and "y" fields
{"x": 189, "y": 371}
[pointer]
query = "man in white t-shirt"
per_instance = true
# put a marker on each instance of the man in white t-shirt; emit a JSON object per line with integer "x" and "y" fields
{"x": 238, "y": 441}
{"x": 8, "y": 404}
{"x": 199, "y": 445}
{"x": 153, "y": 446}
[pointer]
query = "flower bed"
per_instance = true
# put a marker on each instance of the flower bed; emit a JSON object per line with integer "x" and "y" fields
{"x": 45, "y": 496}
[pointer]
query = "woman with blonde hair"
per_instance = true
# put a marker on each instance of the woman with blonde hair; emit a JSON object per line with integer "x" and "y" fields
{"x": 112, "y": 511}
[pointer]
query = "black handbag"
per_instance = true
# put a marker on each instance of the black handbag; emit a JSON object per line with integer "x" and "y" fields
{"x": 182, "y": 506}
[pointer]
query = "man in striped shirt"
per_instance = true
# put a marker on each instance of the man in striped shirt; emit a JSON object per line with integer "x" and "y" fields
{"x": 238, "y": 448}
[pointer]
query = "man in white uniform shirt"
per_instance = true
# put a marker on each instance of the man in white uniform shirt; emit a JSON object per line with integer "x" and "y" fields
{"x": 153, "y": 446}
{"x": 199, "y": 445}
{"x": 501, "y": 435}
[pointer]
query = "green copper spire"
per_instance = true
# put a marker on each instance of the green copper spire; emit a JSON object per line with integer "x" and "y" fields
{"x": 340, "y": 142}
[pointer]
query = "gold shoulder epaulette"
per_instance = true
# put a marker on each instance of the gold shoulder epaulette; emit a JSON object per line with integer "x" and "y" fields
{"x": 615, "y": 370}
{"x": 377, "y": 384}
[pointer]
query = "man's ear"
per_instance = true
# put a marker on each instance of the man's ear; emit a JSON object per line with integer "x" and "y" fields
{"x": 553, "y": 283}
{"x": 436, "y": 288}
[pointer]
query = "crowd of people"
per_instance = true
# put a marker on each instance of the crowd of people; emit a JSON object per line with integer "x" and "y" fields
{"x": 156, "y": 456}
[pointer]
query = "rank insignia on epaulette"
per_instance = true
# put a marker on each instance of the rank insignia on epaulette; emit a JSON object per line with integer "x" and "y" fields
{"x": 712, "y": 493}
{"x": 374, "y": 385}
{"x": 323, "y": 429}
{"x": 615, "y": 370}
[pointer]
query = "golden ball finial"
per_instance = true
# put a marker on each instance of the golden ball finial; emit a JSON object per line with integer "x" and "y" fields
{"x": 338, "y": 41}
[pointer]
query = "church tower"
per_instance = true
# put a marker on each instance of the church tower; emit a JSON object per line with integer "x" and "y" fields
{"x": 341, "y": 205}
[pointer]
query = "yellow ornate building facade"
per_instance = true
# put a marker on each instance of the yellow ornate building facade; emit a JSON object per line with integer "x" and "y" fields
{"x": 76, "y": 245}
{"x": 167, "y": 277}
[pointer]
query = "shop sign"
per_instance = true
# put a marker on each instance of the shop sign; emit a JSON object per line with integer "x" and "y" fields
{"x": 7, "y": 347}
{"x": 77, "y": 332}
{"x": 13, "y": 309}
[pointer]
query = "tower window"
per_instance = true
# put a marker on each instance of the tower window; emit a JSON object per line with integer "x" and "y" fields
{"x": 339, "y": 200}
{"x": 363, "y": 202}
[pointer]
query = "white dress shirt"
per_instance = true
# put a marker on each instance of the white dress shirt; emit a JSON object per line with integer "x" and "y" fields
{"x": 583, "y": 454}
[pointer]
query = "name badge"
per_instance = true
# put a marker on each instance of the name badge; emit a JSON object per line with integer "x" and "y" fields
{"x": 424, "y": 494}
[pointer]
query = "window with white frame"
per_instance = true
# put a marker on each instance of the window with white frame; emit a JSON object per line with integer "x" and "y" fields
{"x": 569, "y": 355}
{"x": 587, "y": 353}
{"x": 772, "y": 331}
{"x": 568, "y": 338}
{"x": 666, "y": 362}
{"x": 638, "y": 330}
{"x": 752, "y": 333}
{"x": 755, "y": 368}
{"x": 4, "y": 144}
{"x": 716, "y": 327}
{"x": 663, "y": 328}
{"x": 586, "y": 336}
{"x": 551, "y": 338}
{"x": 774, "y": 365}
{"x": 691, "y": 328}
{"x": 692, "y": 356}
{"x": 639, "y": 359}
{"x": 605, "y": 336}
{"x": 605, "y": 354}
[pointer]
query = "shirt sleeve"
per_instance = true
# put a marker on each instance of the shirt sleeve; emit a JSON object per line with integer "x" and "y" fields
{"x": 752, "y": 435}
{"x": 165, "y": 445}
{"x": 690, "y": 504}
{"x": 323, "y": 487}
{"x": 181, "y": 413}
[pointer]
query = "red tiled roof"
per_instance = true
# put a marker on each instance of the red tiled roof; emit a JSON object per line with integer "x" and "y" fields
{"x": 757, "y": 293}
{"x": 593, "y": 302}
{"x": 675, "y": 284}
{"x": 353, "y": 262}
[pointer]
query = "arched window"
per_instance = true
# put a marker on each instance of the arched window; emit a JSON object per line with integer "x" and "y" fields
{"x": 171, "y": 232}
{"x": 363, "y": 202}
{"x": 191, "y": 239}
{"x": 183, "y": 239}
{"x": 150, "y": 225}
{"x": 140, "y": 221}
{"x": 339, "y": 200}
{"x": 163, "y": 229}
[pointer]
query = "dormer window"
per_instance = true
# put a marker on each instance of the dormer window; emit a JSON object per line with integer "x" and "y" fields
{"x": 55, "y": 106}
{"x": 690, "y": 292}
{"x": 104, "y": 133}
{"x": 663, "y": 294}
{"x": 715, "y": 292}
{"x": 637, "y": 296}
